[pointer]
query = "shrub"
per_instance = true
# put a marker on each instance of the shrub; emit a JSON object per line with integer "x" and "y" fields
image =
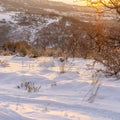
{"x": 34, "y": 53}
{"x": 12, "y": 47}
{"x": 20, "y": 44}
{"x": 49, "y": 52}
{"x": 9, "y": 46}
{"x": 29, "y": 86}
{"x": 23, "y": 51}
{"x": 62, "y": 65}
{"x": 6, "y": 53}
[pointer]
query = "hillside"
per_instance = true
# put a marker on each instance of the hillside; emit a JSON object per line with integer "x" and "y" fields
{"x": 26, "y": 20}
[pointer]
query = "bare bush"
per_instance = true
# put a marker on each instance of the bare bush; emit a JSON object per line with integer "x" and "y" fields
{"x": 108, "y": 51}
{"x": 54, "y": 84}
{"x": 12, "y": 47}
{"x": 94, "y": 88}
{"x": 29, "y": 86}
{"x": 62, "y": 64}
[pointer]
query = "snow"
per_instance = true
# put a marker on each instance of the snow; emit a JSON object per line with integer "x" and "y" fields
{"x": 7, "y": 16}
{"x": 62, "y": 96}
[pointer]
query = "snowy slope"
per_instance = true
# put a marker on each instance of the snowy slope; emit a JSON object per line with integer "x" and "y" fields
{"x": 61, "y": 95}
{"x": 21, "y": 29}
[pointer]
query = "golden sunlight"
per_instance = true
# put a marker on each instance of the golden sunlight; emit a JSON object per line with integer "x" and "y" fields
{"x": 98, "y": 2}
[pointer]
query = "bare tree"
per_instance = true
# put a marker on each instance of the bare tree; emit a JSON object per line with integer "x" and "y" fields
{"x": 112, "y": 4}
{"x": 106, "y": 39}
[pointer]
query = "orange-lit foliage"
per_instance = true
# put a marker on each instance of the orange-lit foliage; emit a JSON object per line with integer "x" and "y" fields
{"x": 20, "y": 44}
{"x": 16, "y": 46}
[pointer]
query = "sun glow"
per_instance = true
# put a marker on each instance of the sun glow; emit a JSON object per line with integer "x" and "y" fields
{"x": 86, "y": 2}
{"x": 98, "y": 2}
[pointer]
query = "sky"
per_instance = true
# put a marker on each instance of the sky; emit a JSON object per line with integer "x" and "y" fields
{"x": 78, "y": 2}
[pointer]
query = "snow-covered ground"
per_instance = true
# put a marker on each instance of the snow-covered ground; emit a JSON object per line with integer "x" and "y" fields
{"x": 62, "y": 96}
{"x": 7, "y": 16}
